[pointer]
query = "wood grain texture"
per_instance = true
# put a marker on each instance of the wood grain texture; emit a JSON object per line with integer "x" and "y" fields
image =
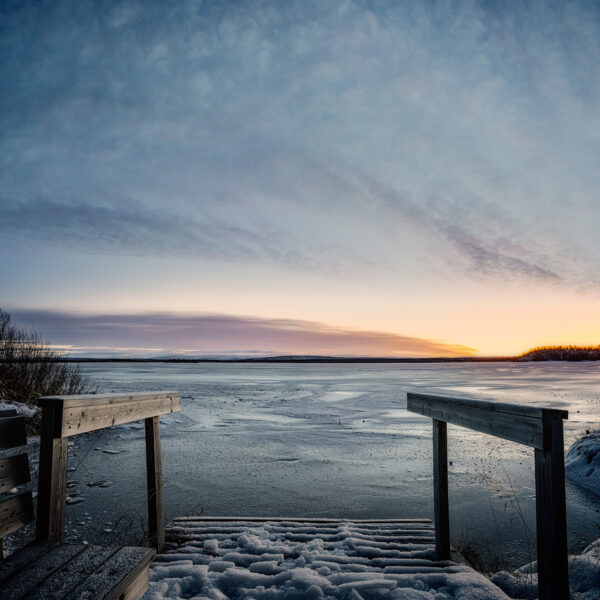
{"x": 96, "y": 399}
{"x": 77, "y": 419}
{"x": 522, "y": 424}
{"x": 27, "y": 555}
{"x": 12, "y": 432}
{"x": 16, "y": 512}
{"x": 316, "y": 520}
{"x": 22, "y": 584}
{"x": 137, "y": 588}
{"x": 47, "y": 571}
{"x": 156, "y": 520}
{"x": 114, "y": 577}
{"x": 440, "y": 490}
{"x": 497, "y": 407}
{"x": 52, "y": 478}
{"x": 72, "y": 573}
{"x": 14, "y": 471}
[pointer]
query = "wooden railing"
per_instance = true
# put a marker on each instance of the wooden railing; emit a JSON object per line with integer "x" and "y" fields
{"x": 539, "y": 428}
{"x": 65, "y": 416}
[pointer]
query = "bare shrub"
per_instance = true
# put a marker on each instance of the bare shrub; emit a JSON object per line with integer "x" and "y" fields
{"x": 29, "y": 368}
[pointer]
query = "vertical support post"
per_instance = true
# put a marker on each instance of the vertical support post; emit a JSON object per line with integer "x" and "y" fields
{"x": 440, "y": 489}
{"x": 551, "y": 514}
{"x": 156, "y": 521}
{"x": 52, "y": 477}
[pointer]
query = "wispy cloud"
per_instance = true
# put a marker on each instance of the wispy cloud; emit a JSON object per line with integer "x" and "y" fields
{"x": 129, "y": 227}
{"x": 202, "y": 334}
{"x": 309, "y": 135}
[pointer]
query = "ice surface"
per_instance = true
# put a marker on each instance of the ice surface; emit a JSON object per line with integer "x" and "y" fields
{"x": 323, "y": 440}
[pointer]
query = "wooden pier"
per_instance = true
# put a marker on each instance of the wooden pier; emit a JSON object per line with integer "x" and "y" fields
{"x": 538, "y": 428}
{"x": 48, "y": 569}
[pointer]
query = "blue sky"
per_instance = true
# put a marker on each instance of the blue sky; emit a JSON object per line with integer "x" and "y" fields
{"x": 423, "y": 170}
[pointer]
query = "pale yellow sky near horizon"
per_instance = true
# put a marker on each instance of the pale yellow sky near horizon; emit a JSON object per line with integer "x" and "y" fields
{"x": 492, "y": 320}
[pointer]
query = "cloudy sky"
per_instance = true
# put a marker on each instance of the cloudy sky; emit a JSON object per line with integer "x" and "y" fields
{"x": 339, "y": 177}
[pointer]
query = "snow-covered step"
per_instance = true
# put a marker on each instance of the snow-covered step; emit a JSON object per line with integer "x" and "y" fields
{"x": 233, "y": 559}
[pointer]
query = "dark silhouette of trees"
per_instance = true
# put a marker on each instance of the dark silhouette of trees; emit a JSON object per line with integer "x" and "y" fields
{"x": 562, "y": 353}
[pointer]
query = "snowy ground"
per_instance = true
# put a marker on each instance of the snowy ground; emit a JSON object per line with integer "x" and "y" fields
{"x": 310, "y": 561}
{"x": 584, "y": 577}
{"x": 582, "y": 462}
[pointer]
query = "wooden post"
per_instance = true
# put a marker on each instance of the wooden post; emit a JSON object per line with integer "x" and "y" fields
{"x": 440, "y": 489}
{"x": 52, "y": 478}
{"x": 156, "y": 521}
{"x": 551, "y": 514}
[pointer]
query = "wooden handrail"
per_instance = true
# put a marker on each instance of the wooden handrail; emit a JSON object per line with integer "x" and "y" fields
{"x": 65, "y": 416}
{"x": 540, "y": 428}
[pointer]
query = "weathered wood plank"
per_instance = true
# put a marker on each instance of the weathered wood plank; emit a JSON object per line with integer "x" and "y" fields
{"x": 551, "y": 515}
{"x": 293, "y": 520}
{"x": 72, "y": 573}
{"x": 440, "y": 490}
{"x": 12, "y": 432}
{"x": 78, "y": 419}
{"x": 52, "y": 479}
{"x": 23, "y": 558}
{"x": 14, "y": 471}
{"x": 156, "y": 520}
{"x": 512, "y": 422}
{"x": 23, "y": 583}
{"x": 496, "y": 407}
{"x": 137, "y": 588}
{"x": 7, "y": 412}
{"x": 15, "y": 512}
{"x": 115, "y": 576}
{"x": 97, "y": 399}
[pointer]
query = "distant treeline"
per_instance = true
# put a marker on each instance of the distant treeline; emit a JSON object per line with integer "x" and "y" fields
{"x": 562, "y": 353}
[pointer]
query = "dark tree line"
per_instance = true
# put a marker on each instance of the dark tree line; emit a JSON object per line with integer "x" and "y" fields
{"x": 563, "y": 353}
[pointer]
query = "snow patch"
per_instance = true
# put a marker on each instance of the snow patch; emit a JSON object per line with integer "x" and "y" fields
{"x": 259, "y": 560}
{"x": 582, "y": 463}
{"x": 21, "y": 408}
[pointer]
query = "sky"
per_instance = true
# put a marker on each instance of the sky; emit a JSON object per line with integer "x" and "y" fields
{"x": 314, "y": 177}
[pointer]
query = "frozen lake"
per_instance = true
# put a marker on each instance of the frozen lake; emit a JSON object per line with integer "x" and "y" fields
{"x": 331, "y": 440}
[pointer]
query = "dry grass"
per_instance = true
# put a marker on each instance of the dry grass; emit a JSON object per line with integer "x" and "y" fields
{"x": 29, "y": 368}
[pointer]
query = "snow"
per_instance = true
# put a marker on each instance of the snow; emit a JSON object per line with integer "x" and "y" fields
{"x": 22, "y": 409}
{"x": 584, "y": 577}
{"x": 293, "y": 560}
{"x": 582, "y": 463}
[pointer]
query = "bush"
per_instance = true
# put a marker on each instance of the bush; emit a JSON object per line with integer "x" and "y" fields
{"x": 29, "y": 368}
